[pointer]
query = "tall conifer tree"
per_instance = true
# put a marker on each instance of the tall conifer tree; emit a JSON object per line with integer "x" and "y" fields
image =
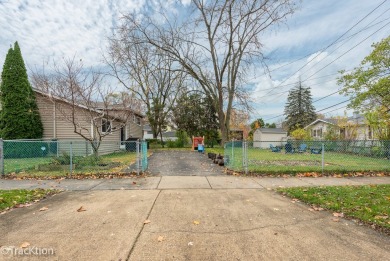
{"x": 299, "y": 109}
{"x": 19, "y": 117}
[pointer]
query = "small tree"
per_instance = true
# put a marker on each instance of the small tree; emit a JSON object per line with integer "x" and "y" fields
{"x": 300, "y": 134}
{"x": 19, "y": 117}
{"x": 299, "y": 109}
{"x": 368, "y": 86}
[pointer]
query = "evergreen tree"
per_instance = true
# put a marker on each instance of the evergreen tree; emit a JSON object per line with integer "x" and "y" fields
{"x": 195, "y": 114}
{"x": 19, "y": 117}
{"x": 299, "y": 109}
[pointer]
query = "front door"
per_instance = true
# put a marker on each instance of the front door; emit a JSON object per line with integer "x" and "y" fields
{"x": 123, "y": 135}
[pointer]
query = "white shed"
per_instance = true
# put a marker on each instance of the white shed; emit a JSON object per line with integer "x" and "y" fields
{"x": 263, "y": 137}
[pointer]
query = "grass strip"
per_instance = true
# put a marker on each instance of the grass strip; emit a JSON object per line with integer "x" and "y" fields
{"x": 369, "y": 203}
{"x": 18, "y": 197}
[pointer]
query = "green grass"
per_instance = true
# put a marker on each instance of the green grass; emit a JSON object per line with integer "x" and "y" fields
{"x": 11, "y": 198}
{"x": 265, "y": 161}
{"x": 370, "y": 203}
{"x": 18, "y": 165}
{"x": 113, "y": 163}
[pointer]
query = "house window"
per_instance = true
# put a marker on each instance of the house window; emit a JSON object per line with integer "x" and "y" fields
{"x": 138, "y": 121}
{"x": 317, "y": 133}
{"x": 106, "y": 126}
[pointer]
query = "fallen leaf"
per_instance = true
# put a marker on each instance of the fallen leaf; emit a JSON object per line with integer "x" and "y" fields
{"x": 160, "y": 239}
{"x": 147, "y": 221}
{"x": 335, "y": 219}
{"x": 335, "y": 214}
{"x": 25, "y": 244}
{"x": 134, "y": 182}
{"x": 81, "y": 209}
{"x": 381, "y": 217}
{"x": 190, "y": 243}
{"x": 43, "y": 209}
{"x": 276, "y": 209}
{"x": 196, "y": 222}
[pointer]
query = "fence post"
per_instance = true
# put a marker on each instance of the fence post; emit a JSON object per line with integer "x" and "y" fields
{"x": 232, "y": 160}
{"x": 137, "y": 149}
{"x": 245, "y": 157}
{"x": 2, "y": 157}
{"x": 323, "y": 158}
{"x": 70, "y": 158}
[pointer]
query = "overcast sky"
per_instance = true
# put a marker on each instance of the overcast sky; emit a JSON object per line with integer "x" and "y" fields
{"x": 50, "y": 30}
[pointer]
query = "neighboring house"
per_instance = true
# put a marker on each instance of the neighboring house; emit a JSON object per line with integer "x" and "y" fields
{"x": 354, "y": 127}
{"x": 169, "y": 135}
{"x": 264, "y": 137}
{"x": 147, "y": 132}
{"x": 55, "y": 115}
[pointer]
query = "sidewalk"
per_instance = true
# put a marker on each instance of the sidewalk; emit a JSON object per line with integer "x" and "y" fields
{"x": 184, "y": 218}
{"x": 187, "y": 182}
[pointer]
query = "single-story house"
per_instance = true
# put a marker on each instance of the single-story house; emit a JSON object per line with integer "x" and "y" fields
{"x": 354, "y": 127}
{"x": 169, "y": 135}
{"x": 57, "y": 123}
{"x": 264, "y": 137}
{"x": 147, "y": 132}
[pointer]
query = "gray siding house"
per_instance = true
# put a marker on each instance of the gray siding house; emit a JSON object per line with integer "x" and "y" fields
{"x": 57, "y": 125}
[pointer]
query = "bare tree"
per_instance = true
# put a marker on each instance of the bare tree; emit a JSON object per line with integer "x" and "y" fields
{"x": 149, "y": 73}
{"x": 215, "y": 44}
{"x": 82, "y": 99}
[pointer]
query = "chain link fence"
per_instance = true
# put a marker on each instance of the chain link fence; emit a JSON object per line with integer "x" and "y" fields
{"x": 59, "y": 157}
{"x": 276, "y": 157}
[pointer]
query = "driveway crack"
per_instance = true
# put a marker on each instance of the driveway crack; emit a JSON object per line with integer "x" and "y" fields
{"x": 142, "y": 228}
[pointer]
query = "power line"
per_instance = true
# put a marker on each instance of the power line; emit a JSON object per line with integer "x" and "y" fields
{"x": 336, "y": 109}
{"x": 348, "y": 50}
{"x": 349, "y": 37}
{"x": 334, "y": 42}
{"x": 326, "y": 96}
{"x": 333, "y": 105}
{"x": 338, "y": 57}
{"x": 315, "y": 112}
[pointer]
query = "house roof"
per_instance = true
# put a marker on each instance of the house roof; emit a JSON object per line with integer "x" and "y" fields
{"x": 327, "y": 121}
{"x": 356, "y": 118}
{"x": 272, "y": 130}
{"x": 169, "y": 134}
{"x": 79, "y": 104}
{"x": 147, "y": 128}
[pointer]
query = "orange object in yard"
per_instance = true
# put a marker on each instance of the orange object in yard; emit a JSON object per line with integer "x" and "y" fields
{"x": 196, "y": 141}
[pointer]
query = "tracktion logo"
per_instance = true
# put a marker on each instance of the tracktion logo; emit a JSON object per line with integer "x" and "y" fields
{"x": 26, "y": 251}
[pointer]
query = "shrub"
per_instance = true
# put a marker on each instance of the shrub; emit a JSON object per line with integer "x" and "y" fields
{"x": 301, "y": 134}
{"x": 182, "y": 139}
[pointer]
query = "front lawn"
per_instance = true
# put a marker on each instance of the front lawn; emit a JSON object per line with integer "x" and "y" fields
{"x": 268, "y": 162}
{"x": 12, "y": 198}
{"x": 369, "y": 204}
{"x": 60, "y": 166}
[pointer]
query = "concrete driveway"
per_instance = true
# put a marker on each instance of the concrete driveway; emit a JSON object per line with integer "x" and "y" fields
{"x": 182, "y": 163}
{"x": 185, "y": 224}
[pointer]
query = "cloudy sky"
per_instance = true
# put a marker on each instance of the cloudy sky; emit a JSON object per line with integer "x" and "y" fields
{"x": 50, "y": 30}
